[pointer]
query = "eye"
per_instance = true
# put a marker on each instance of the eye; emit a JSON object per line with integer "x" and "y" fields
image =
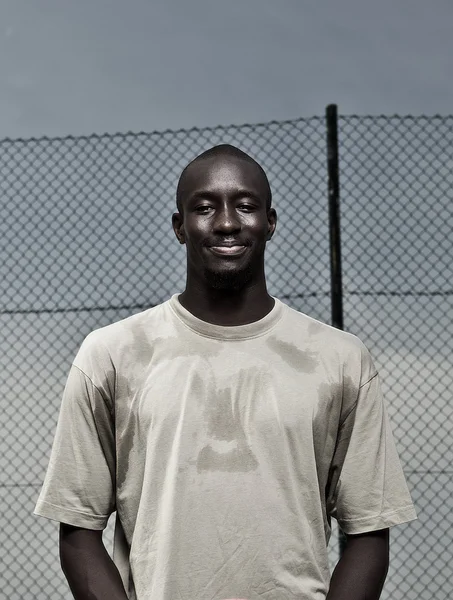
{"x": 202, "y": 209}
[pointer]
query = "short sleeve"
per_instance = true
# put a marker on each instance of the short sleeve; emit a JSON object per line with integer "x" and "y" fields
{"x": 79, "y": 483}
{"x": 367, "y": 488}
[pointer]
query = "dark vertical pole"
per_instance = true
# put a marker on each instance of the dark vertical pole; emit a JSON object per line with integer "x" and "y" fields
{"x": 334, "y": 216}
{"x": 334, "y": 233}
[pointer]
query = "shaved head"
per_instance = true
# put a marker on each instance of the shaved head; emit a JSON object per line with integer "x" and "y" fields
{"x": 224, "y": 198}
{"x": 223, "y": 152}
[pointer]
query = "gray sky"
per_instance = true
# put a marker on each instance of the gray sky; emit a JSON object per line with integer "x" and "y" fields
{"x": 77, "y": 67}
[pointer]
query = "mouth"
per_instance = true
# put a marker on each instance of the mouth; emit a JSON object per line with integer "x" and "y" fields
{"x": 228, "y": 250}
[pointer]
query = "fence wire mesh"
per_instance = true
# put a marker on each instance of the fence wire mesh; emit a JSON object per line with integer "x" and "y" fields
{"x": 86, "y": 239}
{"x": 397, "y": 242}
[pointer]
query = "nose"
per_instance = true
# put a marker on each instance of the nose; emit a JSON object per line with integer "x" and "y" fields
{"x": 227, "y": 220}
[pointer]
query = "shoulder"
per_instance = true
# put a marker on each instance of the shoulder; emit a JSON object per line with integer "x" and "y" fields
{"x": 341, "y": 348}
{"x": 103, "y": 347}
{"x": 321, "y": 333}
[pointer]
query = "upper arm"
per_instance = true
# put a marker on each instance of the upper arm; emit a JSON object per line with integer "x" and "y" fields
{"x": 70, "y": 532}
{"x": 371, "y": 544}
{"x": 367, "y": 488}
{"x": 77, "y": 543}
{"x": 79, "y": 486}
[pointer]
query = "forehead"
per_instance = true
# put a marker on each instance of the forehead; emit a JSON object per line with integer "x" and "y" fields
{"x": 223, "y": 174}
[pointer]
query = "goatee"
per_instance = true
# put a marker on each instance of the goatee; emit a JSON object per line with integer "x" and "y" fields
{"x": 228, "y": 280}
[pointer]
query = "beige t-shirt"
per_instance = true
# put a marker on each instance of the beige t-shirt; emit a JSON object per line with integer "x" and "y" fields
{"x": 225, "y": 452}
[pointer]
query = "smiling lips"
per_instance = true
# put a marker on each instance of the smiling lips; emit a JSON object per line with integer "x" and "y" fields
{"x": 228, "y": 250}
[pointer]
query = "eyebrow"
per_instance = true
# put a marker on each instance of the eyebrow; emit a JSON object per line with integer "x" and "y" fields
{"x": 207, "y": 195}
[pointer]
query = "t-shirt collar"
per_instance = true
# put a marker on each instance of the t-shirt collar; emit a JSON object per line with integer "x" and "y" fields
{"x": 226, "y": 332}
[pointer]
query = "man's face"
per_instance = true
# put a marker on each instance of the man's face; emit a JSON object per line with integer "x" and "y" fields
{"x": 224, "y": 203}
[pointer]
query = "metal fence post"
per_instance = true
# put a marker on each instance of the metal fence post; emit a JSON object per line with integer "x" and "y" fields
{"x": 334, "y": 232}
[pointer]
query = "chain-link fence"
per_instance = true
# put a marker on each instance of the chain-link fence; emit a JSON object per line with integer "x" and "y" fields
{"x": 397, "y": 233}
{"x": 86, "y": 239}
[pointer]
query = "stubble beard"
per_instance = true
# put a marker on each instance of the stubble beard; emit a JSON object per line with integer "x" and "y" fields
{"x": 229, "y": 280}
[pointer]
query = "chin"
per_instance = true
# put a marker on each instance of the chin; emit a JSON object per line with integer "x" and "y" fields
{"x": 228, "y": 280}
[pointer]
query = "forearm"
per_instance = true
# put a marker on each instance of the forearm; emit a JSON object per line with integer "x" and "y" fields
{"x": 88, "y": 568}
{"x": 361, "y": 571}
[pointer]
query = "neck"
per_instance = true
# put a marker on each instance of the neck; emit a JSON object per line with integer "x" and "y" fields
{"x": 228, "y": 307}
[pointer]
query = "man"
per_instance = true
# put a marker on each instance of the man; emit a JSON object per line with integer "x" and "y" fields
{"x": 225, "y": 428}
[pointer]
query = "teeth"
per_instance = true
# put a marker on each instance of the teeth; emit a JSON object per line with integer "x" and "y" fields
{"x": 226, "y": 250}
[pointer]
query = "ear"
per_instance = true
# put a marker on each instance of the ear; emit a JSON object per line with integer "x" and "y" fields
{"x": 178, "y": 227}
{"x": 272, "y": 220}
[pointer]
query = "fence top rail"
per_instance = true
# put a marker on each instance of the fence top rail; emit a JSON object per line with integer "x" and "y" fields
{"x": 189, "y": 130}
{"x": 182, "y": 130}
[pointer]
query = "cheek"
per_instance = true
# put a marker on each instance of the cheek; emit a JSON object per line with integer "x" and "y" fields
{"x": 198, "y": 231}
